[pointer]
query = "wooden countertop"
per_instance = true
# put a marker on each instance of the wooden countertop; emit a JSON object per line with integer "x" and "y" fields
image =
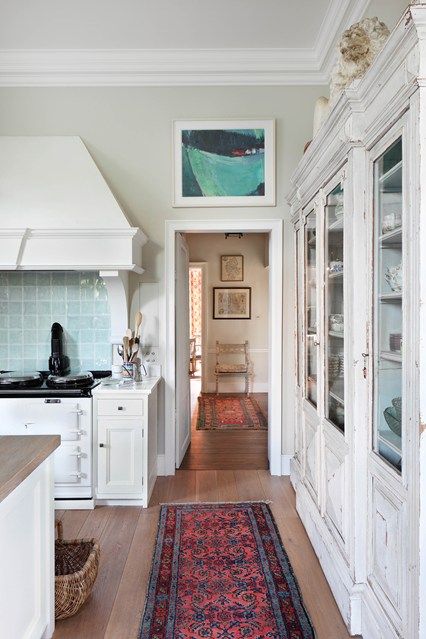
{"x": 20, "y": 455}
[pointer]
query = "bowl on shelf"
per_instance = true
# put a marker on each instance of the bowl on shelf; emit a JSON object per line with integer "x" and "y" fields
{"x": 336, "y": 266}
{"x": 392, "y": 420}
{"x": 393, "y": 276}
{"x": 391, "y": 221}
{"x": 397, "y": 405}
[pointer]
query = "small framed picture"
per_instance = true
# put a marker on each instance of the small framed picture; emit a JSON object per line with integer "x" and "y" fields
{"x": 231, "y": 303}
{"x": 224, "y": 163}
{"x": 231, "y": 268}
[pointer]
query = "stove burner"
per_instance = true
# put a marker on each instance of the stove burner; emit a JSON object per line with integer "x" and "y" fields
{"x": 77, "y": 380}
{"x": 16, "y": 379}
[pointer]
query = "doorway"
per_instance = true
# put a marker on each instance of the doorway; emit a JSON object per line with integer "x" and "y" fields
{"x": 228, "y": 356}
{"x": 274, "y": 384}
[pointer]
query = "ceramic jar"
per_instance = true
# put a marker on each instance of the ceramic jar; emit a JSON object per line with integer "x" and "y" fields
{"x": 393, "y": 276}
{"x": 336, "y": 266}
{"x": 336, "y": 322}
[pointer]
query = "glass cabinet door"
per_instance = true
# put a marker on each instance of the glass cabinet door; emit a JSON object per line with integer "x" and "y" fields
{"x": 298, "y": 270}
{"x": 311, "y": 314}
{"x": 333, "y": 306}
{"x": 387, "y": 305}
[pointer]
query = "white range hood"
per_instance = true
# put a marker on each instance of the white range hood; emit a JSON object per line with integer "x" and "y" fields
{"x": 58, "y": 213}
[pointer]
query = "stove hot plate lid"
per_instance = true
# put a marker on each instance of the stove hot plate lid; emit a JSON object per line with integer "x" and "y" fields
{"x": 74, "y": 380}
{"x": 21, "y": 379}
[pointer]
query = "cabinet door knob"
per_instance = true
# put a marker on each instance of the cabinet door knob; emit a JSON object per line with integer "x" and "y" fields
{"x": 101, "y": 445}
{"x": 120, "y": 407}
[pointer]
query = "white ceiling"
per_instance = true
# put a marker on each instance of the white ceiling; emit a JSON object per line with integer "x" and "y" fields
{"x": 146, "y": 42}
{"x": 160, "y": 24}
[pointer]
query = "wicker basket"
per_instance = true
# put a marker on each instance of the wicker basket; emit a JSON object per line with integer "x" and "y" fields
{"x": 76, "y": 568}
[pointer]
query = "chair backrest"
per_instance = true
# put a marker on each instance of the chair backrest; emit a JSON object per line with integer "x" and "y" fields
{"x": 232, "y": 349}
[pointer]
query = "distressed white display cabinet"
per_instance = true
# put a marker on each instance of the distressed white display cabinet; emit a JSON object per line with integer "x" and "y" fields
{"x": 359, "y": 212}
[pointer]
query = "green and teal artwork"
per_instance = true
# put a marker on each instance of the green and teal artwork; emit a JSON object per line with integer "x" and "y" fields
{"x": 220, "y": 165}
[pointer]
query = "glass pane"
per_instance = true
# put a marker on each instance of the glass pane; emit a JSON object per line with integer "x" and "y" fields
{"x": 311, "y": 308}
{"x": 388, "y": 305}
{"x": 334, "y": 373}
{"x": 298, "y": 335}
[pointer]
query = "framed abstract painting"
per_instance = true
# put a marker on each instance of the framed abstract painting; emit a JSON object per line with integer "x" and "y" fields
{"x": 224, "y": 163}
{"x": 231, "y": 303}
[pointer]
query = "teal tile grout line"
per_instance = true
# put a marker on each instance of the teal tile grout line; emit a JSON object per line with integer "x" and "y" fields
{"x": 31, "y": 301}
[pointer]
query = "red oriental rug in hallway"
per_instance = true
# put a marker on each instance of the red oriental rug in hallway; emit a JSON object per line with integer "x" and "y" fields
{"x": 229, "y": 412}
{"x": 220, "y": 571}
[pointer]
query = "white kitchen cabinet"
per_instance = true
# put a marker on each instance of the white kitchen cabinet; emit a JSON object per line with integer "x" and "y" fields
{"x": 120, "y": 455}
{"x": 125, "y": 442}
{"x": 358, "y": 207}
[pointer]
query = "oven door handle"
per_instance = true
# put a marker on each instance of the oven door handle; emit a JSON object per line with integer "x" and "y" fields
{"x": 78, "y": 454}
{"x": 77, "y": 474}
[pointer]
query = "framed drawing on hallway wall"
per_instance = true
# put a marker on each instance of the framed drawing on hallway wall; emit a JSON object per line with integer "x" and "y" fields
{"x": 224, "y": 163}
{"x": 231, "y": 268}
{"x": 231, "y": 303}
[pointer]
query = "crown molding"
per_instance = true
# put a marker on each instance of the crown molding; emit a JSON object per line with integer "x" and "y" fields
{"x": 182, "y": 67}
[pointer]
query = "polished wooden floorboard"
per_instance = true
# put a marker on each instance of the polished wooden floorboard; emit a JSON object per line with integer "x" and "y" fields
{"x": 218, "y": 450}
{"x": 127, "y": 537}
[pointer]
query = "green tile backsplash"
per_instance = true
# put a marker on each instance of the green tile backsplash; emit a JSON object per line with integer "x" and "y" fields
{"x": 29, "y": 304}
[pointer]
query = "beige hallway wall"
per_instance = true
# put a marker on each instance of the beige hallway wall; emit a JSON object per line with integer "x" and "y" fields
{"x": 208, "y": 248}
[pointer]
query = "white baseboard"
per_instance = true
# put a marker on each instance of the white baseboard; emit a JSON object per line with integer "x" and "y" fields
{"x": 285, "y": 464}
{"x": 237, "y": 387}
{"x": 161, "y": 465}
{"x": 74, "y": 504}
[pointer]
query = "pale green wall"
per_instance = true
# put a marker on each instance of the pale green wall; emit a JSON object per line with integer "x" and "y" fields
{"x": 128, "y": 133}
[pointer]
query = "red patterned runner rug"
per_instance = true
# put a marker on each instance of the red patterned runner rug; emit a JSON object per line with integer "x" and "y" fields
{"x": 229, "y": 412}
{"x": 220, "y": 571}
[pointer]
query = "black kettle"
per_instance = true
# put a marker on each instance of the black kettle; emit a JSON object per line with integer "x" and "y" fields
{"x": 59, "y": 364}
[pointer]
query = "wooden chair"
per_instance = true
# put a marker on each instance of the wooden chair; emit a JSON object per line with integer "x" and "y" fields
{"x": 226, "y": 369}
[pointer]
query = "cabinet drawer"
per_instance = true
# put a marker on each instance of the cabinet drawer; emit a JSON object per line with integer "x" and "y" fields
{"x": 124, "y": 407}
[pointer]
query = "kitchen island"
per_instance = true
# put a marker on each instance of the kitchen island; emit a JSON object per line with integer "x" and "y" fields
{"x": 27, "y": 584}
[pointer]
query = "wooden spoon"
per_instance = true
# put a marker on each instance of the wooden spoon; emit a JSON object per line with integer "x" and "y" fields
{"x": 138, "y": 321}
{"x": 125, "y": 348}
{"x": 129, "y": 333}
{"x": 134, "y": 351}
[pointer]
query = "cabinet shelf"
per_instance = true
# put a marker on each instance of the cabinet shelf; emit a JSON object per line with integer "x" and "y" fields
{"x": 390, "y": 439}
{"x": 391, "y": 356}
{"x": 392, "y": 178}
{"x": 391, "y": 297}
{"x": 335, "y": 276}
{"x": 337, "y": 225}
{"x": 335, "y": 334}
{"x": 336, "y": 397}
{"x": 392, "y": 238}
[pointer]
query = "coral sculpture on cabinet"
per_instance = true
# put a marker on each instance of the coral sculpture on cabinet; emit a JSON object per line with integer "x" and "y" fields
{"x": 356, "y": 51}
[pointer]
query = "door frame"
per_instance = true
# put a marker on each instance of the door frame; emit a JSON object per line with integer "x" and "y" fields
{"x": 204, "y": 324}
{"x": 275, "y": 338}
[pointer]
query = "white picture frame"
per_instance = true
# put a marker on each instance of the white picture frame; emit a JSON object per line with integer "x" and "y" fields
{"x": 207, "y": 171}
